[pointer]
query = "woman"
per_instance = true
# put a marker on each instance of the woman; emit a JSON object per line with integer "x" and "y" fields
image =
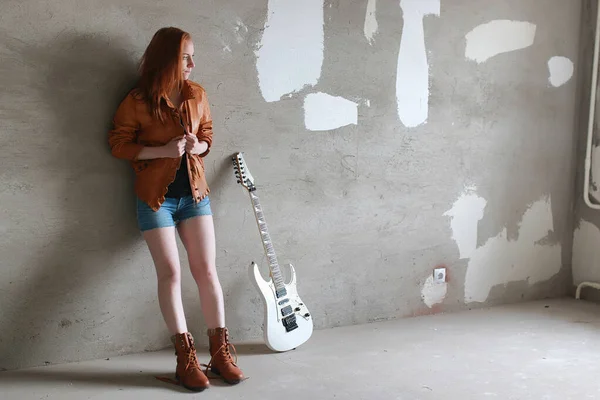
{"x": 164, "y": 128}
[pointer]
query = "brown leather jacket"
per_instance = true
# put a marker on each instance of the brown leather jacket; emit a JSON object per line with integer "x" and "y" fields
{"x": 135, "y": 127}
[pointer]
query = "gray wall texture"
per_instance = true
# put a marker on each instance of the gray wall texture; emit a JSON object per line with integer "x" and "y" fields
{"x": 361, "y": 211}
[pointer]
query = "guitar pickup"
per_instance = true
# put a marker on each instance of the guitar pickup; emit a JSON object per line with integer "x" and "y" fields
{"x": 286, "y": 310}
{"x": 282, "y": 302}
{"x": 281, "y": 292}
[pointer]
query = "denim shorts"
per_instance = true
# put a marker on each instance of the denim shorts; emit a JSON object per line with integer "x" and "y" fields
{"x": 171, "y": 212}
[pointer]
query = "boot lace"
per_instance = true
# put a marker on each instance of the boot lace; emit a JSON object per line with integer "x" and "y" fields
{"x": 192, "y": 359}
{"x": 224, "y": 354}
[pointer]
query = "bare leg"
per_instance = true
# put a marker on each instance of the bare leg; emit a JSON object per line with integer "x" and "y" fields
{"x": 163, "y": 248}
{"x": 198, "y": 237}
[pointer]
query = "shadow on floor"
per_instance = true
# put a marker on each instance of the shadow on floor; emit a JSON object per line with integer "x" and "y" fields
{"x": 118, "y": 379}
{"x": 253, "y": 349}
{"x": 115, "y": 378}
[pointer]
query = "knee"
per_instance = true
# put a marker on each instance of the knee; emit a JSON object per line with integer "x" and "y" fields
{"x": 205, "y": 273}
{"x": 170, "y": 276}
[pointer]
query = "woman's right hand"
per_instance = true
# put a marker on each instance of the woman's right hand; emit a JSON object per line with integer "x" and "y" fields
{"x": 175, "y": 148}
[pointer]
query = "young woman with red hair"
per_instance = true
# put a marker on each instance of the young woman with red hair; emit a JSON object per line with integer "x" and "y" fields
{"x": 164, "y": 128}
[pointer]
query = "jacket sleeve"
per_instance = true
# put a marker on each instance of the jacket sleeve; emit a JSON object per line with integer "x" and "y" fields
{"x": 122, "y": 138}
{"x": 205, "y": 131}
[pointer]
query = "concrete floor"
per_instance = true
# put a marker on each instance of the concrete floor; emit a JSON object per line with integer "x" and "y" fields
{"x": 539, "y": 350}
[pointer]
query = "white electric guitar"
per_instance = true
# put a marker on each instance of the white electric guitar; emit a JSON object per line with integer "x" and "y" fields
{"x": 287, "y": 323}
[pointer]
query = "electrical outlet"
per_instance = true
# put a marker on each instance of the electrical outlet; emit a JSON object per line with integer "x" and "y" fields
{"x": 439, "y": 275}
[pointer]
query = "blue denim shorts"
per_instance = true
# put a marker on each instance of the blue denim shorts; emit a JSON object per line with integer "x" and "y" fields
{"x": 171, "y": 212}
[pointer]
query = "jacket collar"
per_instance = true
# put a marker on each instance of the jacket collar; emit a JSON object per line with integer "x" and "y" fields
{"x": 188, "y": 91}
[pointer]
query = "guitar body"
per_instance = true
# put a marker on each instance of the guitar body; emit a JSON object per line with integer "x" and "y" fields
{"x": 278, "y": 336}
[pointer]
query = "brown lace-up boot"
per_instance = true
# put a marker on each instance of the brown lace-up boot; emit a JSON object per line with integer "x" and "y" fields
{"x": 188, "y": 373}
{"x": 221, "y": 362}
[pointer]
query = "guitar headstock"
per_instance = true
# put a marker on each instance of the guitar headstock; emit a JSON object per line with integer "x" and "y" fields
{"x": 242, "y": 173}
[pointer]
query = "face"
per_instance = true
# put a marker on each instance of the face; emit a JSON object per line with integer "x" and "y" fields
{"x": 188, "y": 58}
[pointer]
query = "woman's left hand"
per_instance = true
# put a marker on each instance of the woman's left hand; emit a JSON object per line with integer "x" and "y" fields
{"x": 193, "y": 145}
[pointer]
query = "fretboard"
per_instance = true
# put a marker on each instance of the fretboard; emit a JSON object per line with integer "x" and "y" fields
{"x": 267, "y": 243}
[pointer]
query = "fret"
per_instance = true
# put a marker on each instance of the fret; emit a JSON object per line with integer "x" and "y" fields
{"x": 268, "y": 245}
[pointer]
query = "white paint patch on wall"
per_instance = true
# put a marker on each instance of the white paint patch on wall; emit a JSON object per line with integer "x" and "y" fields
{"x": 290, "y": 55}
{"x": 497, "y": 37}
{"x": 500, "y": 260}
{"x": 412, "y": 75}
{"x": 323, "y": 112}
{"x": 241, "y": 30}
{"x": 561, "y": 70}
{"x": 586, "y": 253}
{"x": 433, "y": 293}
{"x": 371, "y": 25}
{"x": 465, "y": 215}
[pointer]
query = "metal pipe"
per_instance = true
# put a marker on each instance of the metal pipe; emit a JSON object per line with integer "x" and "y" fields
{"x": 591, "y": 118}
{"x": 590, "y": 135}
{"x": 585, "y": 284}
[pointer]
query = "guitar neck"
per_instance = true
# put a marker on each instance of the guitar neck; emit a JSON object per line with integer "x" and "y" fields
{"x": 266, "y": 241}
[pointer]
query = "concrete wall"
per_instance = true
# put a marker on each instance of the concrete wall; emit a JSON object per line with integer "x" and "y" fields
{"x": 586, "y": 238}
{"x": 371, "y": 172}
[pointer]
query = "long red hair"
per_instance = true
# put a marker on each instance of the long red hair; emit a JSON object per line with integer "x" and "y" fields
{"x": 161, "y": 68}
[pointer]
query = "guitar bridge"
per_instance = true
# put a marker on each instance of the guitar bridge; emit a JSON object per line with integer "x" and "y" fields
{"x": 289, "y": 323}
